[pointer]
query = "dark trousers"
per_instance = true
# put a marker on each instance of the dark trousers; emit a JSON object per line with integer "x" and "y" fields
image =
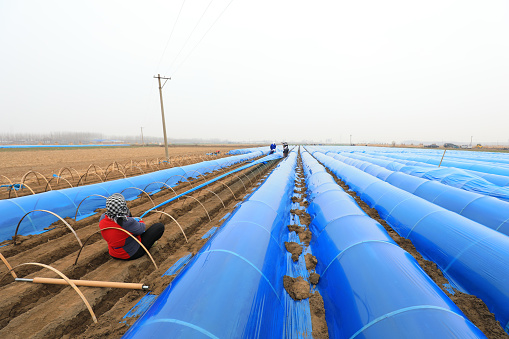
{"x": 148, "y": 238}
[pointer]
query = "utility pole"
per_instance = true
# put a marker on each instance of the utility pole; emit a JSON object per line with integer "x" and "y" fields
{"x": 142, "y": 143}
{"x": 350, "y": 140}
{"x": 159, "y": 77}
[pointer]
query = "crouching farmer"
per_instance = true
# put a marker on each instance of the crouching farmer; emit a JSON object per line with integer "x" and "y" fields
{"x": 120, "y": 244}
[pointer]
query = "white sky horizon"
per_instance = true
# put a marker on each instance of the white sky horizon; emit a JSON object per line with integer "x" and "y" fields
{"x": 265, "y": 70}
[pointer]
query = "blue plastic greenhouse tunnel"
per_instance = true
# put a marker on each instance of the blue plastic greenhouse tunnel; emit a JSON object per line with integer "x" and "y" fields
{"x": 370, "y": 286}
{"x": 471, "y": 255}
{"x": 82, "y": 202}
{"x": 233, "y": 287}
{"x": 456, "y": 215}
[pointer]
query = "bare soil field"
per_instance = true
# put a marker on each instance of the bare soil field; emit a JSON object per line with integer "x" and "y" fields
{"x": 14, "y": 163}
{"x": 56, "y": 311}
{"x": 40, "y": 170}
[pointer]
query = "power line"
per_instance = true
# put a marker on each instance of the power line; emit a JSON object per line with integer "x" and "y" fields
{"x": 171, "y": 34}
{"x": 187, "y": 56}
{"x": 178, "y": 54}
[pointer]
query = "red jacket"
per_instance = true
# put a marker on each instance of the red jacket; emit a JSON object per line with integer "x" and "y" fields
{"x": 120, "y": 244}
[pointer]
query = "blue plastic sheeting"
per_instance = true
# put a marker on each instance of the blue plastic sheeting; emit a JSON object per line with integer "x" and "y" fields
{"x": 50, "y": 146}
{"x": 499, "y": 166}
{"x": 493, "y": 165}
{"x": 488, "y": 211}
{"x": 209, "y": 233}
{"x": 89, "y": 198}
{"x": 371, "y": 287}
{"x": 297, "y": 312}
{"x": 473, "y": 257}
{"x": 178, "y": 265}
{"x": 483, "y": 183}
{"x": 238, "y": 169}
{"x": 141, "y": 306}
{"x": 232, "y": 288}
{"x": 249, "y": 150}
{"x": 458, "y": 178}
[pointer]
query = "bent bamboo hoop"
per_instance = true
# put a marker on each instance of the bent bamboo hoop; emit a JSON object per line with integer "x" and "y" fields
{"x": 9, "y": 180}
{"x": 24, "y": 185}
{"x": 234, "y": 197}
{"x": 185, "y": 174}
{"x": 172, "y": 218}
{"x": 68, "y": 281}
{"x": 188, "y": 196}
{"x": 91, "y": 195}
{"x": 69, "y": 170}
{"x": 132, "y": 170}
{"x": 86, "y": 176}
{"x": 36, "y": 176}
{"x": 247, "y": 178}
{"x": 8, "y": 266}
{"x": 46, "y": 188}
{"x": 235, "y": 175}
{"x": 204, "y": 189}
{"x": 118, "y": 167}
{"x": 132, "y": 236}
{"x": 177, "y": 175}
{"x": 119, "y": 229}
{"x": 56, "y": 215}
{"x": 95, "y": 168}
{"x": 163, "y": 183}
{"x": 136, "y": 188}
{"x": 113, "y": 170}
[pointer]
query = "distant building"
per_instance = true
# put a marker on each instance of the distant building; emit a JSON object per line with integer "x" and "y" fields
{"x": 449, "y": 145}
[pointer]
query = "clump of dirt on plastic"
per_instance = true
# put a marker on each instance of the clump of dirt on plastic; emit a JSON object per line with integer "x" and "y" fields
{"x": 320, "y": 329}
{"x": 295, "y": 249}
{"x": 297, "y": 288}
{"x": 310, "y": 261}
{"x": 295, "y": 228}
{"x": 304, "y": 218}
{"x": 305, "y": 236}
{"x": 474, "y": 308}
{"x": 303, "y": 232}
{"x": 314, "y": 278}
{"x": 157, "y": 287}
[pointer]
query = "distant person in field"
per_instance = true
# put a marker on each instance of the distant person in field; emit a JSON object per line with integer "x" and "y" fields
{"x": 272, "y": 148}
{"x": 120, "y": 244}
{"x": 285, "y": 149}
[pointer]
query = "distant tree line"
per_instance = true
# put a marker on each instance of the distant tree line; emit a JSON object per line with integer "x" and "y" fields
{"x": 66, "y": 138}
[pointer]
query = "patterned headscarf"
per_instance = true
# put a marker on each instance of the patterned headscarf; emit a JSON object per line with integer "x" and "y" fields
{"x": 116, "y": 207}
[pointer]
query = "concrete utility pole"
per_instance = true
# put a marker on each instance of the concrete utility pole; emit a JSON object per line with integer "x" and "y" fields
{"x": 142, "y": 143}
{"x": 159, "y": 77}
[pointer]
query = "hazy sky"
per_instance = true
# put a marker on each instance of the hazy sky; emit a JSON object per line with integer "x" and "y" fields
{"x": 435, "y": 70}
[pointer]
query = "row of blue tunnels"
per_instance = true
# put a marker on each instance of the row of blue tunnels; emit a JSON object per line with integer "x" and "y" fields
{"x": 454, "y": 210}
